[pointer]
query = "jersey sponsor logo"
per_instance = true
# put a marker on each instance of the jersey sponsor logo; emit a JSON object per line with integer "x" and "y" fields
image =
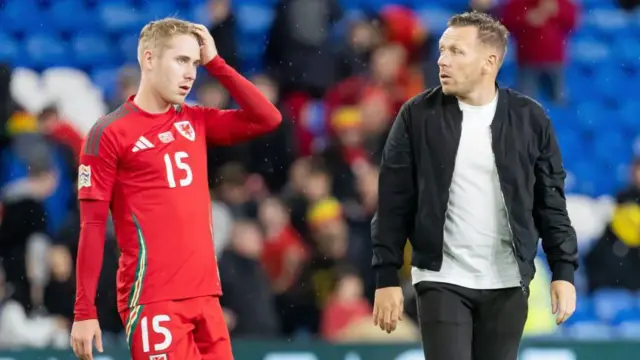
{"x": 158, "y": 357}
{"x": 142, "y": 144}
{"x": 185, "y": 129}
{"x": 84, "y": 176}
{"x": 166, "y": 137}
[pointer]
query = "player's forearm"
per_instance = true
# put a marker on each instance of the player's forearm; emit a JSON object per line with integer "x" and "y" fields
{"x": 93, "y": 223}
{"x": 262, "y": 112}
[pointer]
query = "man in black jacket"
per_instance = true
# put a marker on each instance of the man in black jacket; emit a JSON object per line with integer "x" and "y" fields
{"x": 472, "y": 175}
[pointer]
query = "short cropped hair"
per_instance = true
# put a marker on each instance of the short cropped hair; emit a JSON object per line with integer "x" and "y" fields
{"x": 156, "y": 34}
{"x": 490, "y": 31}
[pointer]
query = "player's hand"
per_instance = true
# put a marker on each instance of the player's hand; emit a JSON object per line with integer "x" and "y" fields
{"x": 82, "y": 335}
{"x": 208, "y": 49}
{"x": 563, "y": 300}
{"x": 388, "y": 307}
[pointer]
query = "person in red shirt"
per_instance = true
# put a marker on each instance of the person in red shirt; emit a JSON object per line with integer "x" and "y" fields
{"x": 146, "y": 163}
{"x": 541, "y": 29}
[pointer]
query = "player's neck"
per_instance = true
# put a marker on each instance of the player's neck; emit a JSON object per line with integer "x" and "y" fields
{"x": 483, "y": 94}
{"x": 149, "y": 102}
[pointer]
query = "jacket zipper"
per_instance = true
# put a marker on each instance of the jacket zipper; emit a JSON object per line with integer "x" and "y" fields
{"x": 506, "y": 209}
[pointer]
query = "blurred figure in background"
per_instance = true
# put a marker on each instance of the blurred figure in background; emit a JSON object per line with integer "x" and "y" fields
{"x": 232, "y": 191}
{"x": 223, "y": 29}
{"x": 127, "y": 85}
{"x": 536, "y": 25}
{"x": 24, "y": 239}
{"x": 284, "y": 253}
{"x": 62, "y": 132}
{"x": 18, "y": 330}
{"x": 363, "y": 36}
{"x": 614, "y": 260}
{"x": 212, "y": 94}
{"x": 346, "y": 307}
{"x": 247, "y": 299}
{"x": 299, "y": 40}
{"x": 272, "y": 154}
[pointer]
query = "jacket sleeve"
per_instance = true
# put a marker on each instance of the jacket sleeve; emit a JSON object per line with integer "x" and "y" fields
{"x": 550, "y": 207}
{"x": 392, "y": 223}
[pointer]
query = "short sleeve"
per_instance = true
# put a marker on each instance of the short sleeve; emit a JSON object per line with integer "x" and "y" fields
{"x": 98, "y": 165}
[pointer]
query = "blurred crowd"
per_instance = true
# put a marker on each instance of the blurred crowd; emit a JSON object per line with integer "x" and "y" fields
{"x": 291, "y": 210}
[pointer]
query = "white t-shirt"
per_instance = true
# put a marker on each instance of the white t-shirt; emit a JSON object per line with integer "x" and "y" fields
{"x": 478, "y": 249}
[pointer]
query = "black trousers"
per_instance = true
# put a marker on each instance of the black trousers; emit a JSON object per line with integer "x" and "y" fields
{"x": 458, "y": 323}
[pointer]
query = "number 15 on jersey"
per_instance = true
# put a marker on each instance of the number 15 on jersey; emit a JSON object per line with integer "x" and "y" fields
{"x": 177, "y": 160}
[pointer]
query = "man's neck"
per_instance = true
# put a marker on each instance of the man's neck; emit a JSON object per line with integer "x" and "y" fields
{"x": 147, "y": 100}
{"x": 481, "y": 95}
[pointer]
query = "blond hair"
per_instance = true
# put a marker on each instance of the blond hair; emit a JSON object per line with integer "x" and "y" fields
{"x": 156, "y": 34}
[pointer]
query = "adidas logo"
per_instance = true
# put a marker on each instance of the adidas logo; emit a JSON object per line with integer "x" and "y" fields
{"x": 142, "y": 144}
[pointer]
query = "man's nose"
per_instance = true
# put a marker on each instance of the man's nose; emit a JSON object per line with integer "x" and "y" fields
{"x": 191, "y": 74}
{"x": 443, "y": 60}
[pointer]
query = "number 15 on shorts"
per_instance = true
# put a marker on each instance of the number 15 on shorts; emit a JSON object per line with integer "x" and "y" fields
{"x": 162, "y": 334}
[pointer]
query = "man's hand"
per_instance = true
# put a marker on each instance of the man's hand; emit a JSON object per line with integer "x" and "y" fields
{"x": 563, "y": 300}
{"x": 388, "y": 308}
{"x": 82, "y": 335}
{"x": 208, "y": 49}
{"x": 549, "y": 7}
{"x": 229, "y": 318}
{"x": 535, "y": 17}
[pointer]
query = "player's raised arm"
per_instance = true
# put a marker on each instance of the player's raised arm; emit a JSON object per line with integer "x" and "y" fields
{"x": 96, "y": 175}
{"x": 256, "y": 116}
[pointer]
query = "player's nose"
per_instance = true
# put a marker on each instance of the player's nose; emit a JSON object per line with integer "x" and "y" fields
{"x": 190, "y": 74}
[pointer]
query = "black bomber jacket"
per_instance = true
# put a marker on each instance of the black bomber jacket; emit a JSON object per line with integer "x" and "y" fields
{"x": 416, "y": 172}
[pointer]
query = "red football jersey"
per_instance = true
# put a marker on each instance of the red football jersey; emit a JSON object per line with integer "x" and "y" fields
{"x": 152, "y": 169}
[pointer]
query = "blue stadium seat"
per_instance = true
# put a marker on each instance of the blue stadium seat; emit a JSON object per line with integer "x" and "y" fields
{"x": 20, "y": 16}
{"x": 589, "y": 330}
{"x": 349, "y": 5}
{"x": 155, "y": 10}
{"x": 629, "y": 115}
{"x": 507, "y": 75}
{"x": 585, "y": 324}
{"x": 128, "y": 47}
{"x": 254, "y": 19}
{"x": 613, "y": 146}
{"x": 608, "y": 20}
{"x": 119, "y": 16}
{"x": 9, "y": 49}
{"x": 599, "y": 4}
{"x": 627, "y": 323}
{"x": 71, "y": 16}
{"x": 582, "y": 175}
{"x": 584, "y": 311}
{"x": 628, "y": 48}
{"x": 105, "y": 78}
{"x": 608, "y": 303}
{"x": 592, "y": 116}
{"x": 579, "y": 84}
{"x": 198, "y": 13}
{"x": 93, "y": 50}
{"x": 434, "y": 18}
{"x": 46, "y": 50}
{"x": 609, "y": 79}
{"x": 589, "y": 51}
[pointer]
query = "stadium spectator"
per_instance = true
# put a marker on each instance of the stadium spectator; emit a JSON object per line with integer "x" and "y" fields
{"x": 248, "y": 298}
{"x": 18, "y": 330}
{"x": 536, "y": 25}
{"x": 614, "y": 260}
{"x": 223, "y": 28}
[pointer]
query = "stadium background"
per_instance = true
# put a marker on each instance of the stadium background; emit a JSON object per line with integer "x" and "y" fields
{"x": 292, "y": 209}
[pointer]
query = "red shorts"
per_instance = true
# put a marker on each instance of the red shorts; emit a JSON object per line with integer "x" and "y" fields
{"x": 190, "y": 329}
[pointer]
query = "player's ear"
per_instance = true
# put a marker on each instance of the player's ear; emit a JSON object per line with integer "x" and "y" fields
{"x": 146, "y": 61}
